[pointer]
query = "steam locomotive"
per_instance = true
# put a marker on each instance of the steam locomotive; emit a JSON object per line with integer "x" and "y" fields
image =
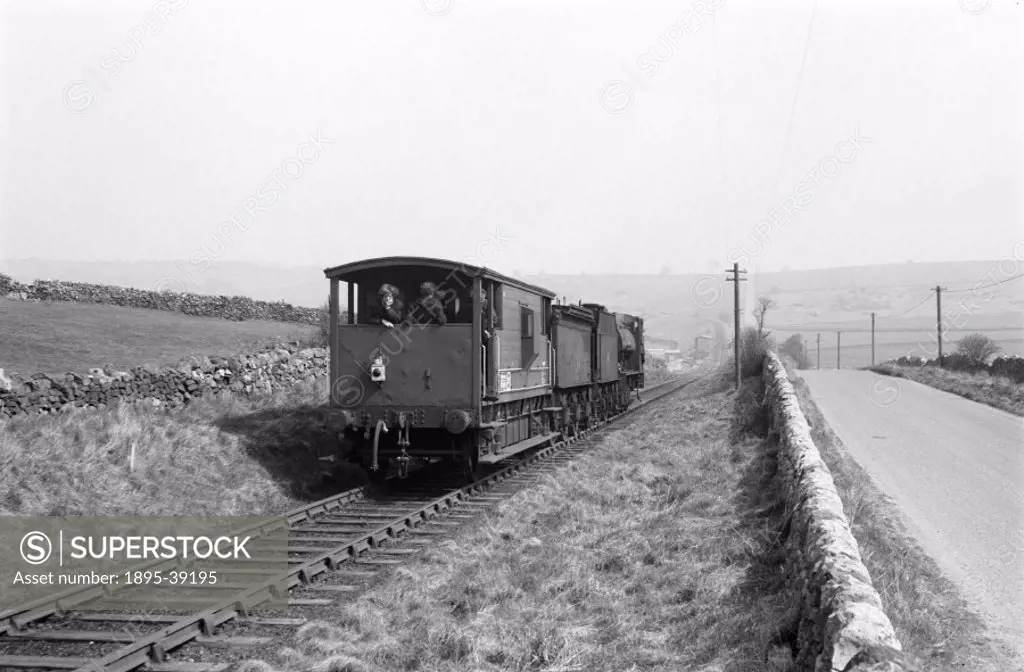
{"x": 507, "y": 368}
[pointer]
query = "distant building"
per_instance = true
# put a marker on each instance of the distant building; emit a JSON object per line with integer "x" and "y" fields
{"x": 702, "y": 344}
{"x": 653, "y": 342}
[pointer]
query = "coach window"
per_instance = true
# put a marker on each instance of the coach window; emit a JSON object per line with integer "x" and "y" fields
{"x": 527, "y": 333}
{"x": 372, "y": 310}
{"x": 460, "y": 301}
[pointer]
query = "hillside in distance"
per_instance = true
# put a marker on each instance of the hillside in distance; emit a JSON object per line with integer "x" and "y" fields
{"x": 677, "y": 307}
{"x": 901, "y": 296}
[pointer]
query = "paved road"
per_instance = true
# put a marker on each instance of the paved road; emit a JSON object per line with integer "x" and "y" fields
{"x": 956, "y": 470}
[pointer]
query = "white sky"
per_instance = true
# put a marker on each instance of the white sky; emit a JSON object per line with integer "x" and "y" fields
{"x": 448, "y": 127}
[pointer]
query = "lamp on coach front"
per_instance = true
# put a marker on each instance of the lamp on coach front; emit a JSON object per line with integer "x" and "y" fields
{"x": 378, "y": 371}
{"x": 457, "y": 422}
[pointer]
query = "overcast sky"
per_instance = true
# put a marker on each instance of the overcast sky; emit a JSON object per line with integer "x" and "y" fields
{"x": 551, "y": 123}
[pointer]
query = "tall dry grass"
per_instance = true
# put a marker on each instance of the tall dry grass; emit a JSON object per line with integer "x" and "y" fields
{"x": 218, "y": 456}
{"x": 655, "y": 551}
{"x": 995, "y": 391}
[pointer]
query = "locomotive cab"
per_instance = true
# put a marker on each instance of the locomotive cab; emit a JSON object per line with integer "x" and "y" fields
{"x": 415, "y": 376}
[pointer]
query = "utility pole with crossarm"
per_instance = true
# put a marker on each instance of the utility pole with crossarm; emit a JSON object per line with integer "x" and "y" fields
{"x": 736, "y": 280}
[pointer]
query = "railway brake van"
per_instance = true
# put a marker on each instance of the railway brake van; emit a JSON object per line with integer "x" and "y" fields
{"x": 472, "y": 390}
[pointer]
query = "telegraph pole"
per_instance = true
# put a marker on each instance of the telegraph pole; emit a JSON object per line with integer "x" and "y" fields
{"x": 938, "y": 319}
{"x": 736, "y": 280}
{"x": 839, "y": 347}
{"x": 819, "y": 349}
{"x": 872, "y": 339}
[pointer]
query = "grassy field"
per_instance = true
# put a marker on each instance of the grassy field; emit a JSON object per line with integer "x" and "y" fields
{"x": 995, "y": 391}
{"x": 230, "y": 455}
{"x": 60, "y": 337}
{"x": 252, "y": 456}
{"x": 930, "y": 616}
{"x": 652, "y": 552}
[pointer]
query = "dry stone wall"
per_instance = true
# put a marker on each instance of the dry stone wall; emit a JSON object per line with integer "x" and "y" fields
{"x": 1007, "y": 366}
{"x": 237, "y": 308}
{"x": 170, "y": 387}
{"x": 843, "y": 627}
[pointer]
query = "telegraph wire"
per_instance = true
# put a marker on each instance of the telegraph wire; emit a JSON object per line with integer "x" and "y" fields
{"x": 915, "y": 307}
{"x": 796, "y": 95}
{"x": 974, "y": 289}
{"x": 718, "y": 99}
{"x": 824, "y": 327}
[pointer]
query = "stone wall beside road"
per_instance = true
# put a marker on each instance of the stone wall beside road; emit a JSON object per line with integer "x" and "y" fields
{"x": 1007, "y": 366}
{"x": 843, "y": 626}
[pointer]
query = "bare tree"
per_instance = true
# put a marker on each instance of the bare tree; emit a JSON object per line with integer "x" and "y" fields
{"x": 764, "y": 304}
{"x": 977, "y": 348}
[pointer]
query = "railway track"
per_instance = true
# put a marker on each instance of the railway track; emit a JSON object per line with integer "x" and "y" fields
{"x": 334, "y": 546}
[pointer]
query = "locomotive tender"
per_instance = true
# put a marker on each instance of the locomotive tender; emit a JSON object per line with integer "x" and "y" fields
{"x": 507, "y": 371}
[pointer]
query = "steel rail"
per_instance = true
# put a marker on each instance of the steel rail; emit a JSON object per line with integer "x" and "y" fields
{"x": 154, "y": 646}
{"x": 20, "y": 616}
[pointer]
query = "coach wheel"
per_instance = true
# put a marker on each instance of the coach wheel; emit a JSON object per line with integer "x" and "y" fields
{"x": 471, "y": 471}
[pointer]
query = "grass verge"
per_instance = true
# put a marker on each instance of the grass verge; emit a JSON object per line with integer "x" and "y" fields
{"x": 654, "y": 551}
{"x": 930, "y": 616}
{"x": 64, "y": 337}
{"x": 995, "y": 391}
{"x": 218, "y": 456}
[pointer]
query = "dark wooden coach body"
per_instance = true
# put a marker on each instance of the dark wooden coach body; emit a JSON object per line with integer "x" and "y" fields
{"x": 487, "y": 384}
{"x": 446, "y": 392}
{"x": 598, "y": 362}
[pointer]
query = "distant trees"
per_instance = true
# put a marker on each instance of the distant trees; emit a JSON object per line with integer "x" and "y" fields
{"x": 794, "y": 347}
{"x": 655, "y": 364}
{"x": 764, "y": 304}
{"x": 755, "y": 342}
{"x": 977, "y": 349}
{"x": 754, "y": 345}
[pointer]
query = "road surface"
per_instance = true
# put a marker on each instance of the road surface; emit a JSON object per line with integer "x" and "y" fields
{"x": 956, "y": 470}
